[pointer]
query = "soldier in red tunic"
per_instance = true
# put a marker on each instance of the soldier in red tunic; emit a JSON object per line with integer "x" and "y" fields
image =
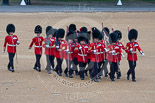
{"x": 85, "y": 32}
{"x": 59, "y": 50}
{"x": 11, "y": 41}
{"x": 72, "y": 28}
{"x": 131, "y": 48}
{"x": 119, "y": 36}
{"x": 68, "y": 54}
{"x": 82, "y": 50}
{"x": 37, "y": 40}
{"x": 113, "y": 51}
{"x": 49, "y": 50}
{"x": 95, "y": 50}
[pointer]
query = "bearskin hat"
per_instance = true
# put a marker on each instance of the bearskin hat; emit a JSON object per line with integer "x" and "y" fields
{"x": 113, "y": 38}
{"x": 87, "y": 33}
{"x": 72, "y": 27}
{"x": 118, "y": 33}
{"x": 60, "y": 33}
{"x": 106, "y": 30}
{"x": 93, "y": 28}
{"x": 101, "y": 36}
{"x": 38, "y": 29}
{"x": 133, "y": 34}
{"x": 70, "y": 35}
{"x": 54, "y": 32}
{"x": 49, "y": 31}
{"x": 10, "y": 28}
{"x": 96, "y": 33}
{"x": 82, "y": 37}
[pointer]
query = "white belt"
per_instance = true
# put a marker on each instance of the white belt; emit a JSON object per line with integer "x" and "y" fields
{"x": 69, "y": 52}
{"x": 59, "y": 50}
{"x": 82, "y": 55}
{"x": 38, "y": 46}
{"x": 51, "y": 46}
{"x": 11, "y": 45}
{"x": 97, "y": 53}
{"x": 133, "y": 52}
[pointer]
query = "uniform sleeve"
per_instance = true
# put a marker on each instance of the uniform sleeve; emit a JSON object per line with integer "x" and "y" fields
{"x": 44, "y": 42}
{"x": 139, "y": 49}
{"x": 127, "y": 48}
{"x": 123, "y": 47}
{"x": 109, "y": 49}
{"x": 103, "y": 47}
{"x": 5, "y": 42}
{"x": 90, "y": 48}
{"x": 120, "y": 51}
{"x": 76, "y": 50}
{"x": 17, "y": 38}
{"x": 31, "y": 43}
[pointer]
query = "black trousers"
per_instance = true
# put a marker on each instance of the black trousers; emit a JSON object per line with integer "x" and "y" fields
{"x": 75, "y": 63}
{"x": 113, "y": 69}
{"x": 82, "y": 67}
{"x": 95, "y": 69}
{"x": 11, "y": 56}
{"x": 89, "y": 68}
{"x": 52, "y": 60}
{"x": 58, "y": 66}
{"x": 132, "y": 65}
{"x": 68, "y": 68}
{"x": 105, "y": 67}
{"x": 37, "y": 64}
{"x": 100, "y": 70}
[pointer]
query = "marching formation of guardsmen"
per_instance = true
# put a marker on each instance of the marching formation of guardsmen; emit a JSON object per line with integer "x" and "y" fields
{"x": 85, "y": 52}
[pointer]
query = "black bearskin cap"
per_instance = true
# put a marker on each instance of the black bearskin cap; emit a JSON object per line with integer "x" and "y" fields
{"x": 38, "y": 29}
{"x": 54, "y": 32}
{"x": 82, "y": 37}
{"x": 10, "y": 28}
{"x": 60, "y": 33}
{"x": 96, "y": 33}
{"x": 101, "y": 36}
{"x": 72, "y": 27}
{"x": 70, "y": 35}
{"x": 49, "y": 31}
{"x": 113, "y": 38}
{"x": 133, "y": 34}
{"x": 118, "y": 33}
{"x": 106, "y": 30}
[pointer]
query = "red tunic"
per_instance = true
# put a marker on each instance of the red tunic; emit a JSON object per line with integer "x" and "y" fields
{"x": 38, "y": 44}
{"x": 69, "y": 54}
{"x": 59, "y": 52}
{"x": 75, "y": 53}
{"x": 132, "y": 56}
{"x": 82, "y": 54}
{"x": 117, "y": 49}
{"x": 122, "y": 47}
{"x": 50, "y": 49}
{"x": 98, "y": 56}
{"x": 11, "y": 42}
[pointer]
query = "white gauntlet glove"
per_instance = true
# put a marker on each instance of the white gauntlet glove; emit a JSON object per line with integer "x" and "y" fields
{"x": 123, "y": 56}
{"x": 3, "y": 51}
{"x": 80, "y": 48}
{"x": 18, "y": 42}
{"x": 47, "y": 46}
{"x": 57, "y": 47}
{"x": 105, "y": 49}
{"x": 142, "y": 53}
{"x": 94, "y": 51}
{"x": 113, "y": 52}
{"x": 131, "y": 50}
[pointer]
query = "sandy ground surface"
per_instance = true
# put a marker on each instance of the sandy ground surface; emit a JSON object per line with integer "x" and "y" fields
{"x": 29, "y": 86}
